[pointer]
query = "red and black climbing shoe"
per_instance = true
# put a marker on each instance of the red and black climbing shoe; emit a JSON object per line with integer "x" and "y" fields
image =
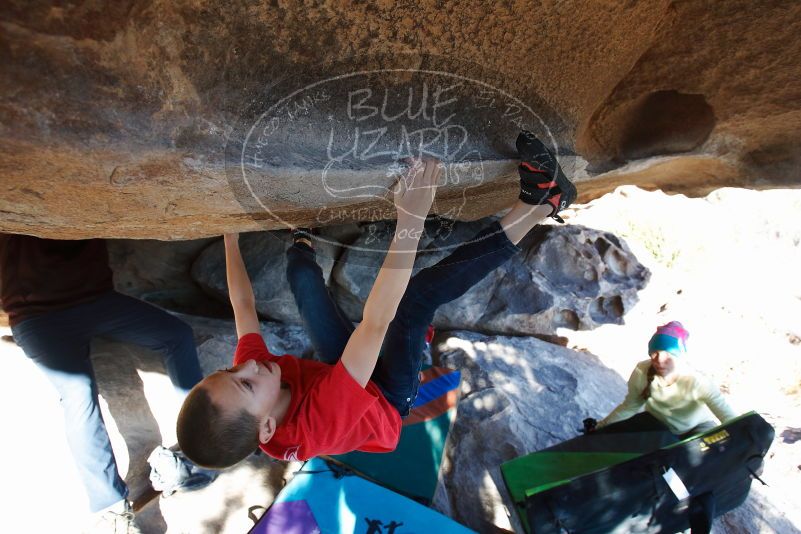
{"x": 542, "y": 180}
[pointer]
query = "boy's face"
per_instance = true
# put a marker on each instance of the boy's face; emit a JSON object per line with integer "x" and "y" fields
{"x": 253, "y": 386}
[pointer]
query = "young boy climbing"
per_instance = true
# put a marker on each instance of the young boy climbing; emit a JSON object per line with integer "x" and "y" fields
{"x": 368, "y": 376}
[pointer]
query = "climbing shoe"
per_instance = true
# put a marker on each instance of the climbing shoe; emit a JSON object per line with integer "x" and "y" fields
{"x": 299, "y": 234}
{"x": 542, "y": 180}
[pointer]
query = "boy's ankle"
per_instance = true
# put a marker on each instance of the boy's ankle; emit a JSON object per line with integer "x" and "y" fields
{"x": 302, "y": 236}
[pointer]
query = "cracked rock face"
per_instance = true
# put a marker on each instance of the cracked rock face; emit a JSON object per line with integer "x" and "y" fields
{"x": 565, "y": 276}
{"x": 149, "y": 119}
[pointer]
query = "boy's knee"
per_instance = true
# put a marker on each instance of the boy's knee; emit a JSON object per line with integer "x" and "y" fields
{"x": 185, "y": 333}
{"x": 302, "y": 272}
{"x": 179, "y": 333}
{"x": 410, "y": 310}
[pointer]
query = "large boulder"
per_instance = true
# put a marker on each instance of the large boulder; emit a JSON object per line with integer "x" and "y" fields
{"x": 519, "y": 395}
{"x": 566, "y": 276}
{"x": 178, "y": 120}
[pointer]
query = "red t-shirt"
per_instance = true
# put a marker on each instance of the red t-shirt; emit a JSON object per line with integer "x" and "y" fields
{"x": 329, "y": 413}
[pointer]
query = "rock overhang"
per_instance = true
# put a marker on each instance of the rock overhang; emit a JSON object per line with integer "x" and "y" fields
{"x": 133, "y": 121}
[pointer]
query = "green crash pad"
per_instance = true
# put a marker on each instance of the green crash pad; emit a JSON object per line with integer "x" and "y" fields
{"x": 597, "y": 491}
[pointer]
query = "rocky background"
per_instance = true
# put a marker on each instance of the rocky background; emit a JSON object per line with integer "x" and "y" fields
{"x": 115, "y": 118}
{"x": 526, "y": 386}
{"x": 130, "y": 121}
{"x": 566, "y": 276}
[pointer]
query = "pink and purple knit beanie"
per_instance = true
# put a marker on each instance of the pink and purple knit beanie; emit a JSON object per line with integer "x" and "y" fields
{"x": 671, "y": 337}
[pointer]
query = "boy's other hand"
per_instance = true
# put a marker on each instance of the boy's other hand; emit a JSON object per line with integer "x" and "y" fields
{"x": 414, "y": 192}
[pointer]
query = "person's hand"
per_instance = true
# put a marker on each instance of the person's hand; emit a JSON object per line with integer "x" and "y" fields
{"x": 414, "y": 192}
{"x": 231, "y": 238}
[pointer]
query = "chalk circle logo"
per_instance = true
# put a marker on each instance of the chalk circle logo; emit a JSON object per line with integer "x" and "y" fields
{"x": 325, "y": 147}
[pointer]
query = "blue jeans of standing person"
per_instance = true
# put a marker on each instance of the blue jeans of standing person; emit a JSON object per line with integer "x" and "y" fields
{"x": 58, "y": 342}
{"x": 397, "y": 372}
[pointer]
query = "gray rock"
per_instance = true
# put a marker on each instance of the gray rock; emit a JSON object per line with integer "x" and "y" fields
{"x": 566, "y": 276}
{"x": 519, "y": 395}
{"x": 216, "y": 340}
{"x": 758, "y": 513}
{"x": 158, "y": 272}
{"x": 264, "y": 254}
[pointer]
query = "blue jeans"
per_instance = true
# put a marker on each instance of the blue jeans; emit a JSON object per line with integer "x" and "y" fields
{"x": 58, "y": 342}
{"x": 397, "y": 372}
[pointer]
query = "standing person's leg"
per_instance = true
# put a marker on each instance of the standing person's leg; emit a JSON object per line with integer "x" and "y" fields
{"x": 398, "y": 368}
{"x": 130, "y": 320}
{"x": 58, "y": 347}
{"x": 328, "y": 327}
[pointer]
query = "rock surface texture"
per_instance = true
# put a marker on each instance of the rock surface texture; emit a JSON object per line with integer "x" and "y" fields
{"x": 264, "y": 254}
{"x": 565, "y": 276}
{"x": 152, "y": 119}
{"x": 159, "y": 272}
{"x": 519, "y": 395}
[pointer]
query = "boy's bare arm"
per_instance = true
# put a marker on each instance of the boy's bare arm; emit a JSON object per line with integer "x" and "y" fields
{"x": 414, "y": 195}
{"x": 240, "y": 290}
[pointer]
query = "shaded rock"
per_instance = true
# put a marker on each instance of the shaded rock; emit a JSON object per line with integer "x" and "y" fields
{"x": 565, "y": 276}
{"x": 264, "y": 254}
{"x": 159, "y": 272}
{"x": 519, "y": 395}
{"x": 354, "y": 274}
{"x": 216, "y": 340}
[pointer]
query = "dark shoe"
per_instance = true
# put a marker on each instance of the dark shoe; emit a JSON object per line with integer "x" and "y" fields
{"x": 541, "y": 178}
{"x": 302, "y": 233}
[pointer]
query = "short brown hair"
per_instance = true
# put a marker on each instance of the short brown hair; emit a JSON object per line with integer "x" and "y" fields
{"x": 211, "y": 438}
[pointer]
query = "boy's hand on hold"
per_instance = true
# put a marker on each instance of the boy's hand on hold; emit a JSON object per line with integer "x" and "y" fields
{"x": 414, "y": 192}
